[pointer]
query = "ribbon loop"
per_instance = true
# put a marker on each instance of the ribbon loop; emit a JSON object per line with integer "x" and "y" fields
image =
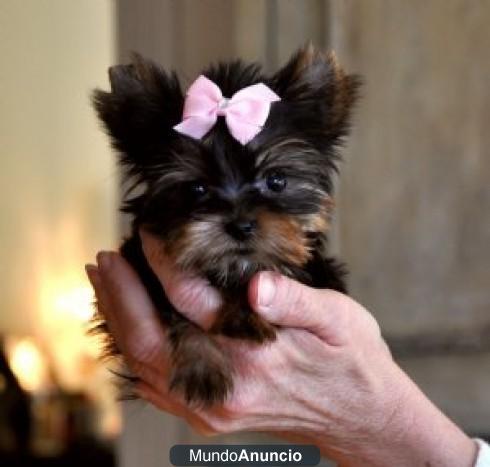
{"x": 245, "y": 112}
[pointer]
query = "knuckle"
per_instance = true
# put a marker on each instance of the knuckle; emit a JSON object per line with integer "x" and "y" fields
{"x": 181, "y": 296}
{"x": 294, "y": 298}
{"x": 183, "y": 292}
{"x": 172, "y": 290}
{"x": 142, "y": 354}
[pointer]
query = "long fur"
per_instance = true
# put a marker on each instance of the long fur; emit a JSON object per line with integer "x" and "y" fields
{"x": 235, "y": 222}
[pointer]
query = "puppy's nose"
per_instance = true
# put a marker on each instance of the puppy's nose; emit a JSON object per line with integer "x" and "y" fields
{"x": 241, "y": 228}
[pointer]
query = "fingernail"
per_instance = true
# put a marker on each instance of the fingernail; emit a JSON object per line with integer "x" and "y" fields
{"x": 92, "y": 274}
{"x": 104, "y": 260}
{"x": 267, "y": 289}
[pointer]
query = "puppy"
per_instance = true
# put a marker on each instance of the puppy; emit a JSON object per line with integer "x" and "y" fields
{"x": 234, "y": 177}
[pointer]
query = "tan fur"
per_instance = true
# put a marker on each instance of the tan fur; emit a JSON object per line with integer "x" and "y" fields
{"x": 319, "y": 222}
{"x": 285, "y": 235}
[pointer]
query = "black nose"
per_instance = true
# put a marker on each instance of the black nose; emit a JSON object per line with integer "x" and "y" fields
{"x": 241, "y": 229}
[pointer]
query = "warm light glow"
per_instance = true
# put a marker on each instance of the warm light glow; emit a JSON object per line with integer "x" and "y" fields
{"x": 66, "y": 305}
{"x": 28, "y": 364}
{"x": 77, "y": 301}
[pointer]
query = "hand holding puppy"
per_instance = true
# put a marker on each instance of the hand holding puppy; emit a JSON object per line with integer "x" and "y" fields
{"x": 328, "y": 379}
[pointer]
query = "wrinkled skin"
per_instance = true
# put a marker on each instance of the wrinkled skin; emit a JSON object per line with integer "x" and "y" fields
{"x": 328, "y": 379}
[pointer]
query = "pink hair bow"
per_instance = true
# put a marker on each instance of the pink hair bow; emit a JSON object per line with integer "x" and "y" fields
{"x": 245, "y": 112}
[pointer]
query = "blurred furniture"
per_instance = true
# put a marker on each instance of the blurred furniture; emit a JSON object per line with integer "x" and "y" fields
{"x": 48, "y": 429}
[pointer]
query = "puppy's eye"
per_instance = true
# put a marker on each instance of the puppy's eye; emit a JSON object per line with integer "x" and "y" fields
{"x": 276, "y": 181}
{"x": 198, "y": 189}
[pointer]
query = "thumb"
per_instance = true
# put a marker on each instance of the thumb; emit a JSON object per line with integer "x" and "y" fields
{"x": 288, "y": 303}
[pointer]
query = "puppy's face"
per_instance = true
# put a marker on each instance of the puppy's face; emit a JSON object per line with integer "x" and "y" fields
{"x": 221, "y": 208}
{"x": 228, "y": 210}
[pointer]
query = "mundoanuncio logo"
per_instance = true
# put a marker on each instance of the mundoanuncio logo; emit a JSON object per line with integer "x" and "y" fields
{"x": 257, "y": 455}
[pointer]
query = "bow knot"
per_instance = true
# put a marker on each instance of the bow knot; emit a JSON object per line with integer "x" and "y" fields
{"x": 245, "y": 112}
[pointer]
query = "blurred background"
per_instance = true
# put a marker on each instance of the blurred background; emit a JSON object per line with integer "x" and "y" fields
{"x": 413, "y": 199}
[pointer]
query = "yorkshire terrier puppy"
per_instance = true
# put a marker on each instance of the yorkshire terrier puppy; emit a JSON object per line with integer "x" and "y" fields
{"x": 234, "y": 177}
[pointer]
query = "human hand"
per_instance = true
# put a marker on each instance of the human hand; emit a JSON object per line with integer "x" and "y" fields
{"x": 328, "y": 378}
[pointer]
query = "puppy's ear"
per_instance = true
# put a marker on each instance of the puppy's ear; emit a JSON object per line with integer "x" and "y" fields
{"x": 140, "y": 110}
{"x": 318, "y": 90}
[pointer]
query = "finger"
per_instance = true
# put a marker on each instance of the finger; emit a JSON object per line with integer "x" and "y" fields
{"x": 285, "y": 302}
{"x": 192, "y": 296}
{"x": 162, "y": 399}
{"x": 151, "y": 374}
{"x": 129, "y": 311}
{"x": 169, "y": 403}
{"x": 96, "y": 282}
